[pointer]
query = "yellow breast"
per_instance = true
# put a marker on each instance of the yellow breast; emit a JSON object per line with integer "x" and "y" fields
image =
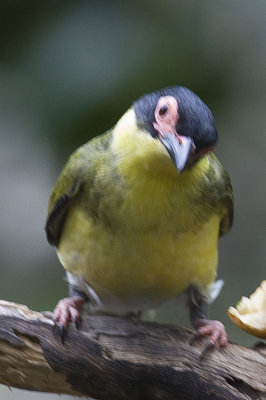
{"x": 149, "y": 267}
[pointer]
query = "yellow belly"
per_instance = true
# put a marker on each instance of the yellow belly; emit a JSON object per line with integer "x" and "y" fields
{"x": 138, "y": 268}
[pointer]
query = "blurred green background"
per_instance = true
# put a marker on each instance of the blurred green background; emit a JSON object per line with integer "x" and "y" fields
{"x": 70, "y": 69}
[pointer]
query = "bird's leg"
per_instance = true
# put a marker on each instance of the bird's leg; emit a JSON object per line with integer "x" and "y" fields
{"x": 204, "y": 326}
{"x": 68, "y": 309}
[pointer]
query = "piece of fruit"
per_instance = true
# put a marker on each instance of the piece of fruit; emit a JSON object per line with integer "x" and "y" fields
{"x": 250, "y": 313}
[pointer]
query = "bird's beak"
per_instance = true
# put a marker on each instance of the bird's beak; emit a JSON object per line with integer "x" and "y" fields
{"x": 179, "y": 148}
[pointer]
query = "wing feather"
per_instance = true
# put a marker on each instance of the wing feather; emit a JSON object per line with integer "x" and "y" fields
{"x": 70, "y": 183}
{"x": 67, "y": 187}
{"x": 222, "y": 194}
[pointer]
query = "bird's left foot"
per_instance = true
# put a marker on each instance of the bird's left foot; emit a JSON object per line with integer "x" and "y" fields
{"x": 215, "y": 331}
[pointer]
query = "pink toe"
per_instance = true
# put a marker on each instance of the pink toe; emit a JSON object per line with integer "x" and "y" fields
{"x": 214, "y": 330}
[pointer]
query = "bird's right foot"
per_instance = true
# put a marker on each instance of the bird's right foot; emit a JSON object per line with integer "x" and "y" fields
{"x": 66, "y": 310}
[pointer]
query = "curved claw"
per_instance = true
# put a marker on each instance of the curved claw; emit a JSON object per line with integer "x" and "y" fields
{"x": 67, "y": 310}
{"x": 215, "y": 331}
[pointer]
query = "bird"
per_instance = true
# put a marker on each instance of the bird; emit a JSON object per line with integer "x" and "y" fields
{"x": 136, "y": 214}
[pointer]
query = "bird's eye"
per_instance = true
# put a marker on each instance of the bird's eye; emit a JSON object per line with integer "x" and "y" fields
{"x": 163, "y": 110}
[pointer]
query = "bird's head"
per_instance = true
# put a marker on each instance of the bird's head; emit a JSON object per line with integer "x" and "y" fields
{"x": 181, "y": 121}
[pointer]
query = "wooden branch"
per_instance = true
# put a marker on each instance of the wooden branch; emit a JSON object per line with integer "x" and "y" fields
{"x": 122, "y": 359}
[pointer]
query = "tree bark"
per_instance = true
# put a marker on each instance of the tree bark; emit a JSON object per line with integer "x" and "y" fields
{"x": 113, "y": 358}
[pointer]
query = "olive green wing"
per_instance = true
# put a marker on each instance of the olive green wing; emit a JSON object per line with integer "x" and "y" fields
{"x": 221, "y": 193}
{"x": 67, "y": 187}
{"x": 228, "y": 204}
{"x": 80, "y": 168}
